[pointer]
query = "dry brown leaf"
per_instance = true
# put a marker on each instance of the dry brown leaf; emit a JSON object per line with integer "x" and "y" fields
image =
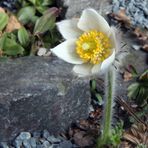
{"x": 82, "y": 139}
{"x": 142, "y": 36}
{"x": 125, "y": 144}
{"x": 145, "y": 47}
{"x": 13, "y": 24}
{"x": 137, "y": 134}
{"x": 127, "y": 76}
{"x": 122, "y": 17}
{"x": 2, "y": 10}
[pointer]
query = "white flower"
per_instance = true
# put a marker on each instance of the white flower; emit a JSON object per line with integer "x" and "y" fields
{"x": 90, "y": 43}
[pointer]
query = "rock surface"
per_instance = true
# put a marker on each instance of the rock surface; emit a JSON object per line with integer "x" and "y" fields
{"x": 38, "y": 93}
{"x": 75, "y": 7}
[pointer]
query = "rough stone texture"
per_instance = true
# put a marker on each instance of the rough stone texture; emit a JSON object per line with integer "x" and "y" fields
{"x": 38, "y": 93}
{"x": 75, "y": 7}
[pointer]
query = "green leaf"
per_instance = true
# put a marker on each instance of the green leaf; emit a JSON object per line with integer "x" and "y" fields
{"x": 23, "y": 36}
{"x": 10, "y": 47}
{"x": 133, "y": 71}
{"x": 25, "y": 14}
{"x": 46, "y": 22}
{"x": 41, "y": 9}
{"x": 133, "y": 90}
{"x": 144, "y": 76}
{"x": 33, "y": 1}
{"x": 2, "y": 41}
{"x": 34, "y": 19}
{"x": 93, "y": 85}
{"x": 47, "y": 2}
{"x": 100, "y": 100}
{"x": 3, "y": 20}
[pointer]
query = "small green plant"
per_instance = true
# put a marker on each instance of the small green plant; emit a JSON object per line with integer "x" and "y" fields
{"x": 34, "y": 29}
{"x": 95, "y": 92}
{"x": 116, "y": 134}
{"x": 39, "y": 5}
{"x": 139, "y": 90}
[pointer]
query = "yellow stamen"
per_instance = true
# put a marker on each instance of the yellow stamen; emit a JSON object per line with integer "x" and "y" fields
{"x": 93, "y": 47}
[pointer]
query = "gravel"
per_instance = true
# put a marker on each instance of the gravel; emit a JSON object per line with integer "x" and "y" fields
{"x": 137, "y": 10}
{"x": 9, "y": 4}
{"x": 38, "y": 140}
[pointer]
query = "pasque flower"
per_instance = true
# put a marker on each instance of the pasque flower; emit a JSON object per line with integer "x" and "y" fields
{"x": 89, "y": 43}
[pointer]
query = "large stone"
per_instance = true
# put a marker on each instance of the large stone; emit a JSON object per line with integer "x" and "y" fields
{"x": 75, "y": 7}
{"x": 40, "y": 93}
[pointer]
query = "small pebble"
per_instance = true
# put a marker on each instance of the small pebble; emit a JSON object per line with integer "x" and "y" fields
{"x": 46, "y": 134}
{"x": 26, "y": 144}
{"x": 136, "y": 47}
{"x": 3, "y": 145}
{"x": 41, "y": 140}
{"x": 37, "y": 134}
{"x": 33, "y": 142}
{"x": 66, "y": 144}
{"x": 41, "y": 51}
{"x": 24, "y": 136}
{"x": 18, "y": 143}
{"x": 52, "y": 139}
{"x": 46, "y": 144}
{"x": 137, "y": 10}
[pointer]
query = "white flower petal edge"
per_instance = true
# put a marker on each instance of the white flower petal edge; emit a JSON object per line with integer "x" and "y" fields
{"x": 107, "y": 62}
{"x": 112, "y": 36}
{"x": 83, "y": 70}
{"x": 96, "y": 69}
{"x": 116, "y": 41}
{"x": 91, "y": 20}
{"x": 66, "y": 51}
{"x": 69, "y": 29}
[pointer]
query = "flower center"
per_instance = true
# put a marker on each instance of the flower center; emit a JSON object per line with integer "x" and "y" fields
{"x": 93, "y": 47}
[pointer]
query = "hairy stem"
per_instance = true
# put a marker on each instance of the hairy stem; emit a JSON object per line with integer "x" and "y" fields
{"x": 110, "y": 78}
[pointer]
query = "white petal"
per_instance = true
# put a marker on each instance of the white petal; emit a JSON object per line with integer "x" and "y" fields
{"x": 91, "y": 20}
{"x": 107, "y": 62}
{"x": 112, "y": 36}
{"x": 69, "y": 29}
{"x": 83, "y": 70}
{"x": 116, "y": 38}
{"x": 66, "y": 51}
{"x": 96, "y": 69}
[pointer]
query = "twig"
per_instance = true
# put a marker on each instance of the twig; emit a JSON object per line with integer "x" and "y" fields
{"x": 129, "y": 110}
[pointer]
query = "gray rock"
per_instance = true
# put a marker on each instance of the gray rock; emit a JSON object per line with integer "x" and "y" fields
{"x": 75, "y": 7}
{"x": 31, "y": 98}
